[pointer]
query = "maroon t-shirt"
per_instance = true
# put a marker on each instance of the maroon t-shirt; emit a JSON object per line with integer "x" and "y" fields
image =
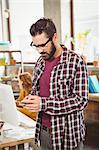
{"x": 45, "y": 86}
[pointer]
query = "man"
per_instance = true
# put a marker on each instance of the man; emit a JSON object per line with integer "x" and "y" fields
{"x": 59, "y": 92}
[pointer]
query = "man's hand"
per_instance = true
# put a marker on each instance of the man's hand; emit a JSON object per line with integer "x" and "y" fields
{"x": 32, "y": 103}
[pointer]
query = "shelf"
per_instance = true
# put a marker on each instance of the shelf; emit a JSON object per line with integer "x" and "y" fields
{"x": 93, "y": 97}
{"x": 10, "y": 60}
{"x": 8, "y": 65}
{"x": 10, "y": 51}
{"x": 93, "y": 68}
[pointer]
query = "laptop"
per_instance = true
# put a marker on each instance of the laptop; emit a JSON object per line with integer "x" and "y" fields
{"x": 9, "y": 111}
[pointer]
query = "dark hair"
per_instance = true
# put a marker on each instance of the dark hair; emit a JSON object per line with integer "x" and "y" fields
{"x": 45, "y": 25}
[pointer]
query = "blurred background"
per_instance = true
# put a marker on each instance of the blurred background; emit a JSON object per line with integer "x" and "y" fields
{"x": 77, "y": 23}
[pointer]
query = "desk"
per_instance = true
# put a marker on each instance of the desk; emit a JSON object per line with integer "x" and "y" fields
{"x": 94, "y": 97}
{"x": 92, "y": 121}
{"x": 10, "y": 142}
{"x": 14, "y": 136}
{"x": 92, "y": 109}
{"x": 19, "y": 136}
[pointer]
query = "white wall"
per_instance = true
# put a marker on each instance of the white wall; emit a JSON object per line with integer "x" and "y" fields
{"x": 23, "y": 14}
{"x": 0, "y": 23}
{"x": 65, "y": 20}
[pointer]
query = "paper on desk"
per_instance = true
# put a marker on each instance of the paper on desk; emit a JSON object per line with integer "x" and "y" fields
{"x": 8, "y": 126}
{"x": 25, "y": 120}
{"x": 15, "y": 133}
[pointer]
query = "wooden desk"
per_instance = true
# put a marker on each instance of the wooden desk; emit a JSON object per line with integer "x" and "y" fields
{"x": 16, "y": 136}
{"x": 92, "y": 109}
{"x": 16, "y": 140}
{"x": 94, "y": 97}
{"x": 10, "y": 142}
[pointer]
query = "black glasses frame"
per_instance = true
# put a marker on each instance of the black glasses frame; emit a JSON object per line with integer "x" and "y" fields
{"x": 41, "y": 45}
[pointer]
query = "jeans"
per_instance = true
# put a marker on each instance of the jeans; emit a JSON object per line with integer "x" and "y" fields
{"x": 45, "y": 141}
{"x": 80, "y": 146}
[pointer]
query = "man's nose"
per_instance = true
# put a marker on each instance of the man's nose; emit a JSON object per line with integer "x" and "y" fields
{"x": 41, "y": 49}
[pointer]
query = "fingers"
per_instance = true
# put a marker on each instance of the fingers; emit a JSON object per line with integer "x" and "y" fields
{"x": 32, "y": 103}
{"x": 28, "y": 102}
{"x": 28, "y": 98}
{"x": 33, "y": 108}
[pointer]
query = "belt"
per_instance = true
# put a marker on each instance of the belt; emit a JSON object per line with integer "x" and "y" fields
{"x": 45, "y": 129}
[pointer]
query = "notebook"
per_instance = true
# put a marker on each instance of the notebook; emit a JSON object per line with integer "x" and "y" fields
{"x": 93, "y": 84}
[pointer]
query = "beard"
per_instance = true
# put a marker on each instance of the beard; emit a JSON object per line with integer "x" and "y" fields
{"x": 49, "y": 56}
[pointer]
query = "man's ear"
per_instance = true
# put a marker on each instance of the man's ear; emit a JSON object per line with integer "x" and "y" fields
{"x": 55, "y": 38}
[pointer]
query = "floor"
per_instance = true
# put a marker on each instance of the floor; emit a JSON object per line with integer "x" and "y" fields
{"x": 92, "y": 136}
{"x": 91, "y": 148}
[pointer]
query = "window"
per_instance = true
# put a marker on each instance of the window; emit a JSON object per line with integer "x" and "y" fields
{"x": 0, "y": 21}
{"x": 23, "y": 13}
{"x": 86, "y": 25}
{"x": 65, "y": 22}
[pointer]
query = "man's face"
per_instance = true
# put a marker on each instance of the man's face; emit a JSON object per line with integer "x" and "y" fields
{"x": 44, "y": 45}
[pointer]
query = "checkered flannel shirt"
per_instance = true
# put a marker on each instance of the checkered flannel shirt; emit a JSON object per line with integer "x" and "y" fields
{"x": 68, "y": 97}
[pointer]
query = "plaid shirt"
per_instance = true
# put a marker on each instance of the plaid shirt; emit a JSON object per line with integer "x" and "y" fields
{"x": 68, "y": 97}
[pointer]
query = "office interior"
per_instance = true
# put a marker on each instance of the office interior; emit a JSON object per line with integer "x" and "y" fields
{"x": 77, "y": 23}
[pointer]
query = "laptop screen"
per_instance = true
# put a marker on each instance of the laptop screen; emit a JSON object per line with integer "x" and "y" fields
{"x": 9, "y": 110}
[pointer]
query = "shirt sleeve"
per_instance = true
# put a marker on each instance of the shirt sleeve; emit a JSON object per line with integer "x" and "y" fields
{"x": 77, "y": 100}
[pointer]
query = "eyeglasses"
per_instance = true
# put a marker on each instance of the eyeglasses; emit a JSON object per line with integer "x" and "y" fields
{"x": 40, "y": 45}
